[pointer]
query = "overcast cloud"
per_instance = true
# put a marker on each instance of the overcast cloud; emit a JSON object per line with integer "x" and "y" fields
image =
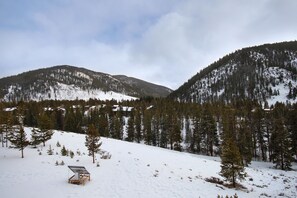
{"x": 164, "y": 42}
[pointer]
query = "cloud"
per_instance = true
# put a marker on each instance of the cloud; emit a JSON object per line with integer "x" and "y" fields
{"x": 165, "y": 42}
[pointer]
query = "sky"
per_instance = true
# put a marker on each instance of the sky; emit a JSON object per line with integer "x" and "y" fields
{"x": 164, "y": 42}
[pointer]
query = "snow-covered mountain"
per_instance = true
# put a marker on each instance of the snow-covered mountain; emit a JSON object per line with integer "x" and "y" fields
{"x": 70, "y": 83}
{"x": 266, "y": 73}
{"x": 134, "y": 170}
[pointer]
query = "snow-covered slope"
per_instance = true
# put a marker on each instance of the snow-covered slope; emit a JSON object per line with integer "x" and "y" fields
{"x": 134, "y": 170}
{"x": 70, "y": 83}
{"x": 266, "y": 73}
{"x": 70, "y": 92}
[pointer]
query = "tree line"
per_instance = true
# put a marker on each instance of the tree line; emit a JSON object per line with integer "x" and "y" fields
{"x": 258, "y": 134}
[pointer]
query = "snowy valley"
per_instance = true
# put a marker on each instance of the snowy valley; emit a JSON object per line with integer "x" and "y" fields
{"x": 134, "y": 170}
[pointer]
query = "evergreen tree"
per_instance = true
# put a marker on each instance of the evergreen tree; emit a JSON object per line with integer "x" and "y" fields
{"x": 245, "y": 141}
{"x": 7, "y": 127}
{"x": 45, "y": 132}
{"x": 73, "y": 120}
{"x": 35, "y": 137}
{"x": 156, "y": 129}
{"x": 118, "y": 127}
{"x": 130, "y": 129}
{"x": 259, "y": 132}
{"x": 93, "y": 141}
{"x": 64, "y": 151}
{"x": 50, "y": 150}
{"x": 231, "y": 165}
{"x": 292, "y": 128}
{"x": 281, "y": 146}
{"x": 177, "y": 139}
{"x": 208, "y": 131}
{"x": 103, "y": 125}
{"x": 164, "y": 131}
{"x": 18, "y": 139}
{"x": 231, "y": 160}
{"x": 268, "y": 131}
{"x": 59, "y": 119}
{"x": 147, "y": 127}
{"x": 138, "y": 134}
{"x": 188, "y": 130}
{"x": 30, "y": 114}
{"x": 196, "y": 138}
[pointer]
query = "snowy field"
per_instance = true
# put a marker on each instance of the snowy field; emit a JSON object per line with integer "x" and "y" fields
{"x": 134, "y": 170}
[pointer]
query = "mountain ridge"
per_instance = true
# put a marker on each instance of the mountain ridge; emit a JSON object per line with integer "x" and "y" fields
{"x": 266, "y": 73}
{"x": 47, "y": 83}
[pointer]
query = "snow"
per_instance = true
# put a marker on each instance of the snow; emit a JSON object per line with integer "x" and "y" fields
{"x": 134, "y": 170}
{"x": 10, "y": 109}
{"x": 122, "y": 108}
{"x": 281, "y": 87}
{"x": 72, "y": 92}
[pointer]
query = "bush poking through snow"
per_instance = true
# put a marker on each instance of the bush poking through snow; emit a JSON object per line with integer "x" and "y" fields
{"x": 234, "y": 196}
{"x": 105, "y": 155}
{"x": 71, "y": 154}
{"x": 50, "y": 150}
{"x": 63, "y": 151}
{"x": 214, "y": 180}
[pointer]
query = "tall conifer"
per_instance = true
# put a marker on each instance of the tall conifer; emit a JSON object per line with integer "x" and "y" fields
{"x": 93, "y": 141}
{"x": 231, "y": 161}
{"x": 18, "y": 139}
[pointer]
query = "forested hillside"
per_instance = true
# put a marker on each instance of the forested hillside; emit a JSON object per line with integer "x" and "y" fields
{"x": 261, "y": 134}
{"x": 266, "y": 73}
{"x": 70, "y": 83}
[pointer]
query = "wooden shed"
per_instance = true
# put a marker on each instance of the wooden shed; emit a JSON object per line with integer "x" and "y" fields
{"x": 81, "y": 175}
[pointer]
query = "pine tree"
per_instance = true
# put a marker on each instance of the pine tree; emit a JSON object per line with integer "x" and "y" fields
{"x": 18, "y": 139}
{"x": 259, "y": 129}
{"x": 50, "y": 150}
{"x": 118, "y": 127}
{"x": 196, "y": 138}
{"x": 130, "y": 129}
{"x": 177, "y": 139}
{"x": 8, "y": 122}
{"x": 138, "y": 134}
{"x": 281, "y": 142}
{"x": 45, "y": 132}
{"x": 164, "y": 131}
{"x": 245, "y": 141}
{"x": 188, "y": 135}
{"x": 93, "y": 141}
{"x": 63, "y": 151}
{"x": 292, "y": 128}
{"x": 103, "y": 125}
{"x": 73, "y": 120}
{"x": 35, "y": 137}
{"x": 147, "y": 127}
{"x": 156, "y": 129}
{"x": 231, "y": 164}
{"x": 231, "y": 160}
{"x": 282, "y": 154}
{"x": 208, "y": 131}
